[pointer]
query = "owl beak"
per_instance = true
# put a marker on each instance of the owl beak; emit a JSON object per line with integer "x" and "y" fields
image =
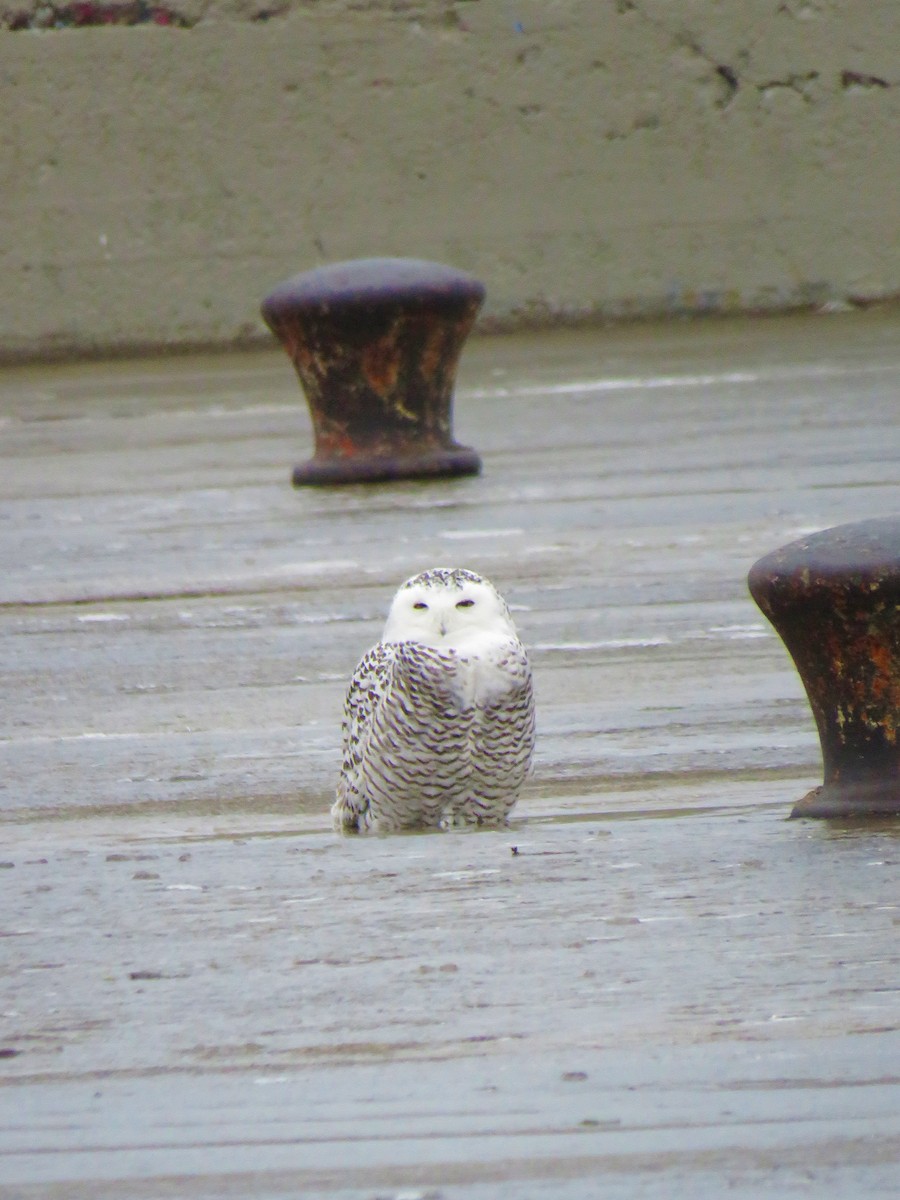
{"x": 443, "y": 628}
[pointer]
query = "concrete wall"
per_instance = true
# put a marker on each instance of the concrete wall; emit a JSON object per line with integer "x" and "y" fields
{"x": 582, "y": 157}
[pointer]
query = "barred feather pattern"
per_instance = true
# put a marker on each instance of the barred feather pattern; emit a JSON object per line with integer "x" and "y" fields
{"x": 436, "y": 737}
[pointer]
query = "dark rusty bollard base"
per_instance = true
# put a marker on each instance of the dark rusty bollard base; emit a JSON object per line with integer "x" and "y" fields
{"x": 849, "y": 800}
{"x": 834, "y": 598}
{"x": 375, "y": 343}
{"x": 319, "y": 472}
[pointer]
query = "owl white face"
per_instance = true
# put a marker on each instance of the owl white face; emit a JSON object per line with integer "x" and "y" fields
{"x": 447, "y": 607}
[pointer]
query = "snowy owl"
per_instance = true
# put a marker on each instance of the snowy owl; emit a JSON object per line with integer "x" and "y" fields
{"x": 439, "y": 718}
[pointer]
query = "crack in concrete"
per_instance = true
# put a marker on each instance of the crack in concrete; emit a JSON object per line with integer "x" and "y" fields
{"x": 856, "y": 80}
{"x": 799, "y": 82}
{"x": 793, "y": 82}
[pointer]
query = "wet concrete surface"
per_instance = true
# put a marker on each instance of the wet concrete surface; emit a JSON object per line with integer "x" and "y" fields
{"x": 651, "y": 984}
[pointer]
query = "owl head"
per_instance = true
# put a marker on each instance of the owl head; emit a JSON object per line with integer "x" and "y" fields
{"x": 447, "y": 607}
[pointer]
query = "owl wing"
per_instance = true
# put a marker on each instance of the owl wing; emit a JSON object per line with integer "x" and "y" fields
{"x": 368, "y": 686}
{"x": 405, "y": 734}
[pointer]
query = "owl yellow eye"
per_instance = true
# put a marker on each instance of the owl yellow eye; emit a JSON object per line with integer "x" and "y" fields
{"x": 464, "y": 603}
{"x": 420, "y": 604}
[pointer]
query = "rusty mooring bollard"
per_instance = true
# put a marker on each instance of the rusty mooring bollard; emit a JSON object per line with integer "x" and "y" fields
{"x": 834, "y": 598}
{"x": 376, "y": 342}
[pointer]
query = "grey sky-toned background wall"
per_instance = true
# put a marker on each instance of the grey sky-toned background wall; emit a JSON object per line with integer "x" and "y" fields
{"x": 164, "y": 165}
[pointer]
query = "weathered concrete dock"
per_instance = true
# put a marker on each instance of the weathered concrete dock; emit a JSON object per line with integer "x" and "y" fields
{"x": 651, "y": 985}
